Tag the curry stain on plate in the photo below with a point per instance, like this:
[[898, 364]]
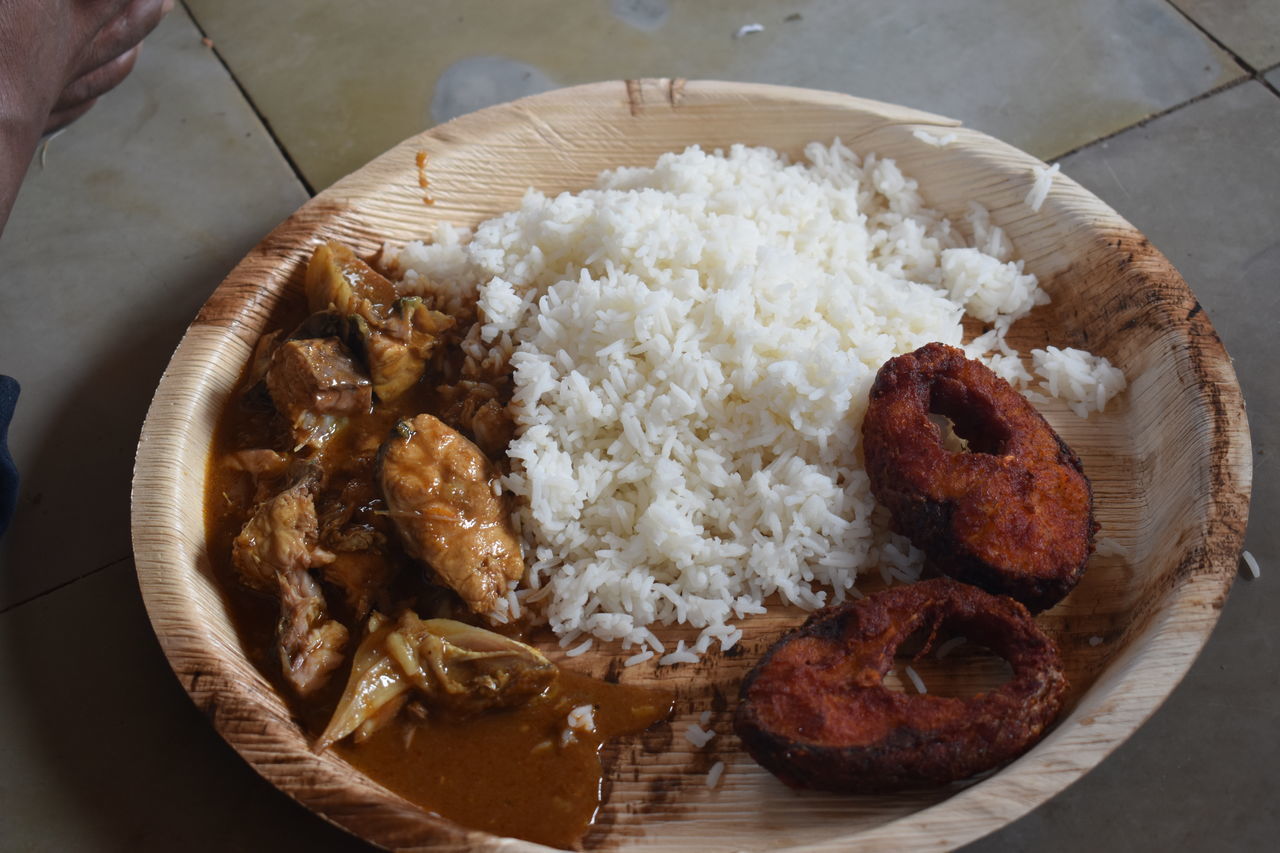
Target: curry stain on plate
[[423, 181]]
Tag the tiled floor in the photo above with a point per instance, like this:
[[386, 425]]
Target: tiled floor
[[1248, 28], [127, 221], [1203, 184], [139, 209], [104, 751], [1031, 79]]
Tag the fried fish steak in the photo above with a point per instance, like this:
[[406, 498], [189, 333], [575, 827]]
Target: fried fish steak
[[1013, 513], [816, 713]]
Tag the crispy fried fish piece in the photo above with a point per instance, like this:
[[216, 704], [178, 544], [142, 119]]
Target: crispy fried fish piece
[[815, 713], [1014, 513]]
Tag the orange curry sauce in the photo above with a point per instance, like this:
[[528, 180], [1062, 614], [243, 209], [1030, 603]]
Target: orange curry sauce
[[507, 771]]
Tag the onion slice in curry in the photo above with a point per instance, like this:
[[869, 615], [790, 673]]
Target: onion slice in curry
[[453, 667]]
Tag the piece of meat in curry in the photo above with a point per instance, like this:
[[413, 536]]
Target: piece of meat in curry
[[396, 335], [320, 525], [273, 554], [335, 499], [444, 496]]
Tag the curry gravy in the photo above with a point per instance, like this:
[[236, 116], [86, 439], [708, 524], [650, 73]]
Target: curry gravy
[[509, 772], [505, 771]]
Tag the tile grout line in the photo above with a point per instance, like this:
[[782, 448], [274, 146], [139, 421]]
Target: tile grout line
[[51, 590], [1262, 76], [1251, 74], [1217, 90], [213, 48], [1254, 73]]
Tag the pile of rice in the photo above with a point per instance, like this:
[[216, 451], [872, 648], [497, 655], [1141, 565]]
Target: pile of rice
[[692, 347]]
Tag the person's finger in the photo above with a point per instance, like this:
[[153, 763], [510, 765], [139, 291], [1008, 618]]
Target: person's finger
[[122, 31], [58, 120], [98, 82], [108, 59]]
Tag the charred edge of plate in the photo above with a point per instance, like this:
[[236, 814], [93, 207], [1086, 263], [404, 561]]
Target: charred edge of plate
[[672, 89], [269, 280]]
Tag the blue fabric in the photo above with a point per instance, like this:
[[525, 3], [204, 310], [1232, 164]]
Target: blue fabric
[[8, 471]]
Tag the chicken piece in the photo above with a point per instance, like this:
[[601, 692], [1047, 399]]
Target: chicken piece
[[443, 495], [315, 383], [258, 462], [397, 336], [317, 376], [454, 667], [266, 468], [398, 348], [361, 575], [310, 642], [279, 539], [273, 554], [339, 281], [476, 408]]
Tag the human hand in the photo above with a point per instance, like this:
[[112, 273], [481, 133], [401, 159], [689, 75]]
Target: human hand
[[56, 58], [108, 57]]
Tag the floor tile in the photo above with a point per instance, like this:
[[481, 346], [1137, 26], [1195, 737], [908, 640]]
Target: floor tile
[[103, 750], [1201, 183], [340, 84], [1249, 28], [1274, 78], [125, 225]]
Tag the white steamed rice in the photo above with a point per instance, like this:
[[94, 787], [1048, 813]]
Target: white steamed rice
[[916, 681], [1040, 187], [936, 141], [582, 718], [692, 347], [698, 736], [714, 774], [1086, 382]]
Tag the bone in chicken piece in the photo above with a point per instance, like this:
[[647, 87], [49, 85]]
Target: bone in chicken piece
[[273, 554], [311, 643]]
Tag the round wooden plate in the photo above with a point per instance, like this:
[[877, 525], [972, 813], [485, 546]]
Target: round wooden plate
[[1169, 460]]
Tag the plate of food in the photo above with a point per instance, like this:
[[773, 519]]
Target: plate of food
[[689, 464]]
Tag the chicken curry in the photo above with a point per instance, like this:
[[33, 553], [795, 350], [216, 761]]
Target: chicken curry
[[356, 516]]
